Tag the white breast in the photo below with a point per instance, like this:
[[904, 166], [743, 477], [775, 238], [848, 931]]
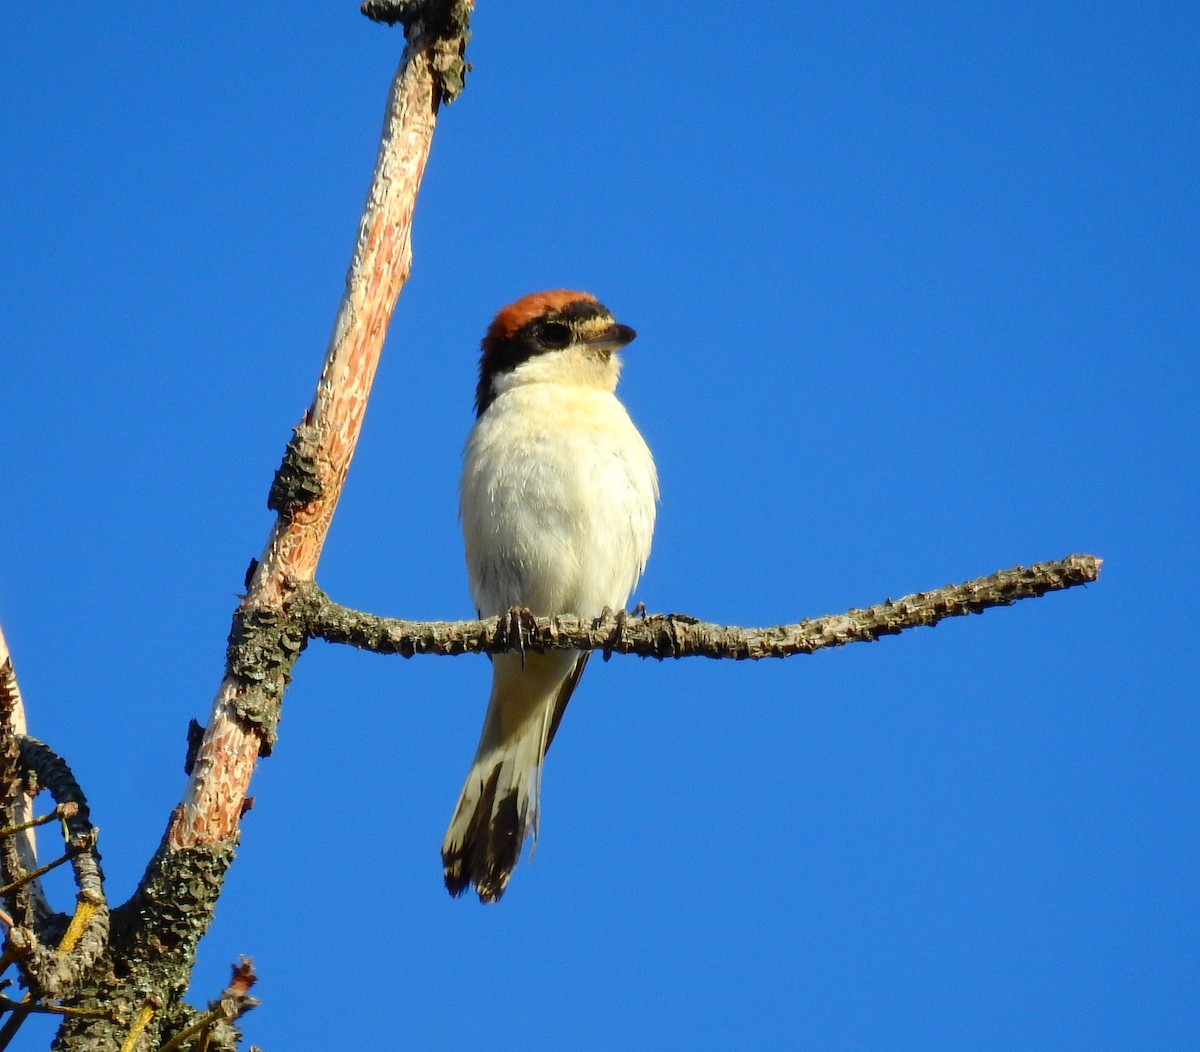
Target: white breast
[[557, 502]]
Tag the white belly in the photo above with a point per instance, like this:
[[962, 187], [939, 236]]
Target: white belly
[[556, 518]]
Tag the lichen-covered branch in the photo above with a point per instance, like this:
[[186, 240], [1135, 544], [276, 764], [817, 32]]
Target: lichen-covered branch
[[448, 22], [55, 950], [52, 951], [16, 803], [678, 635], [307, 488], [154, 936]]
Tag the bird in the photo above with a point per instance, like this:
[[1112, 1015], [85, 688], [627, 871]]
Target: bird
[[557, 504]]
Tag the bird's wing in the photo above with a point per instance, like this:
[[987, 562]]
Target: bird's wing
[[564, 694]]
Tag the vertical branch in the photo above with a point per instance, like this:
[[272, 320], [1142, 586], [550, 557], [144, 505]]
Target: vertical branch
[[17, 802], [215, 795], [135, 997]]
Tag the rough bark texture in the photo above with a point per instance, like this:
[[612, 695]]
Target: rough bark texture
[[247, 702], [678, 635], [123, 977], [12, 728], [202, 836], [118, 978]]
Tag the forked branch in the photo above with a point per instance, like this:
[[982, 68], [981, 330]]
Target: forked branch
[[122, 984], [161, 925]]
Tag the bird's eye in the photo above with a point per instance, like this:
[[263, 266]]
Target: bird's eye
[[554, 335]]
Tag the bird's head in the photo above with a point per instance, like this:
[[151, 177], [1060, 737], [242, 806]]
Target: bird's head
[[551, 337]]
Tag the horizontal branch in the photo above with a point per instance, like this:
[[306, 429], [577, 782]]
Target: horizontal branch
[[61, 811], [678, 635]]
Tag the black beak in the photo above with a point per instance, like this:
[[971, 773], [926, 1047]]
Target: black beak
[[613, 338]]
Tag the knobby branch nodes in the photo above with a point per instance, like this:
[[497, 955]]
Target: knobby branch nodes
[[234, 1002], [53, 950], [446, 25], [679, 635], [265, 643], [297, 481], [118, 979]]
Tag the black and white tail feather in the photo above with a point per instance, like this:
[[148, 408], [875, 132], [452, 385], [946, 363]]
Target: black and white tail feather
[[499, 807], [558, 497]]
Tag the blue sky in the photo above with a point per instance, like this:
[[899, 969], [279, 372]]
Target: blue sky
[[916, 293]]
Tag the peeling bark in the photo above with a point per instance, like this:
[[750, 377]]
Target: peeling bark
[[119, 980], [118, 977]]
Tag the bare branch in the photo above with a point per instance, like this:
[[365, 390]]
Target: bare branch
[[179, 890], [30, 1006], [246, 706], [60, 811], [56, 951], [678, 635], [17, 802], [234, 1002]]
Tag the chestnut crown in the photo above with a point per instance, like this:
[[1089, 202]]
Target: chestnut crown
[[543, 323]]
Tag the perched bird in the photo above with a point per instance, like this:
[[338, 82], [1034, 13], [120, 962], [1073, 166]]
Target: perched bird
[[557, 505]]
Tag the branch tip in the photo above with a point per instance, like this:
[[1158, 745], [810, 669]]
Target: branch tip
[[681, 635]]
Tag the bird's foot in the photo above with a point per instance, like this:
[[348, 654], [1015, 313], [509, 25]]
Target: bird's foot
[[620, 617], [516, 626]]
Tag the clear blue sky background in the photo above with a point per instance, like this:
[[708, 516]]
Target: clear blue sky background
[[917, 293]]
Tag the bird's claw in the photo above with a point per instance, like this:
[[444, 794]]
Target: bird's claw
[[620, 617], [516, 626]]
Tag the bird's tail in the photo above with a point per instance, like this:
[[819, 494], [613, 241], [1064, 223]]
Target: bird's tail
[[498, 807]]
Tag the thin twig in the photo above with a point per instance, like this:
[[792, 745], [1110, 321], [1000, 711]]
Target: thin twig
[[233, 1003], [61, 811], [140, 1022], [14, 1023], [39, 1008], [73, 850]]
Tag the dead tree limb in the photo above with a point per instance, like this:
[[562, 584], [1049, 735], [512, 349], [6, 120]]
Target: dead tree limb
[[154, 935], [117, 978], [22, 849], [678, 635]]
